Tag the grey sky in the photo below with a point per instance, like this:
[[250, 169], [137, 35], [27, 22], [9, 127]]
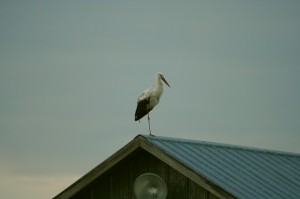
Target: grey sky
[[71, 72]]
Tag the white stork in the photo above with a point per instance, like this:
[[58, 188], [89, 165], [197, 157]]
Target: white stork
[[150, 98]]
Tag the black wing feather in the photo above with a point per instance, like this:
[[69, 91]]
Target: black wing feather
[[142, 108]]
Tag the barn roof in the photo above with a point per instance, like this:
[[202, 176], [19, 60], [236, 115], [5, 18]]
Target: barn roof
[[225, 170], [242, 171]]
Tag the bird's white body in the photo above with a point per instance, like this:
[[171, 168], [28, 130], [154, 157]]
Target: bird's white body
[[152, 94], [150, 98]]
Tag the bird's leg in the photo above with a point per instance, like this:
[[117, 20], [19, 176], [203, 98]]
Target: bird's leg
[[149, 124]]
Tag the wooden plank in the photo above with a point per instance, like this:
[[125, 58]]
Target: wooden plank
[[196, 191], [176, 183]]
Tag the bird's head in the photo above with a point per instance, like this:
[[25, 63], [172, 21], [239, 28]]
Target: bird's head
[[161, 77]]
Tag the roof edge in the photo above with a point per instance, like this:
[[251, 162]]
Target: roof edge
[[217, 144]]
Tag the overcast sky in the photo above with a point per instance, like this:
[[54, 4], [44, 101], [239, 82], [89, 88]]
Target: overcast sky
[[71, 72]]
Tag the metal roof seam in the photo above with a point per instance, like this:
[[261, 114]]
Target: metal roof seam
[[235, 173], [255, 169]]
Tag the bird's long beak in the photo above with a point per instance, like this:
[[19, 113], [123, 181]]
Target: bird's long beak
[[166, 82]]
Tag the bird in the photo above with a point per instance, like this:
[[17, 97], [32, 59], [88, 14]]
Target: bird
[[150, 98]]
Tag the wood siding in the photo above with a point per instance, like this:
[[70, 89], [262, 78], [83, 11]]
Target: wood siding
[[117, 182]]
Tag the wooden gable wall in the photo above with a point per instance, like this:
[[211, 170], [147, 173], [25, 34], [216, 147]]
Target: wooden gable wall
[[117, 182]]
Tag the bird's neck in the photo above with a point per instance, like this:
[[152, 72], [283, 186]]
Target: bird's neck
[[158, 87]]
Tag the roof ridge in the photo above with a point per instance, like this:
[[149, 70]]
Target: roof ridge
[[221, 145]]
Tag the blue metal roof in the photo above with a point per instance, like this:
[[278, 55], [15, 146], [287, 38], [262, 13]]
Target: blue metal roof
[[242, 171]]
